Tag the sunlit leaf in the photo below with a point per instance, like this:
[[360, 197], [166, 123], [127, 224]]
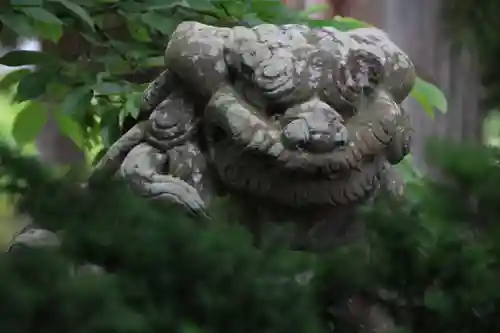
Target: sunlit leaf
[[13, 78], [349, 23], [315, 9], [29, 122], [339, 23], [70, 128], [52, 32], [429, 97], [138, 31], [100, 154], [110, 128], [132, 105]]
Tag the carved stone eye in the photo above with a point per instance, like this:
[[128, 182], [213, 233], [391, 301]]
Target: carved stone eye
[[275, 76], [246, 55]]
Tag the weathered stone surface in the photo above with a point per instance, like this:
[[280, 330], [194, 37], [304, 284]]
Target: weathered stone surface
[[302, 123], [31, 236], [289, 114]]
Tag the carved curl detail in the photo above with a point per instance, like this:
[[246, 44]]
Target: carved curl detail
[[294, 115]]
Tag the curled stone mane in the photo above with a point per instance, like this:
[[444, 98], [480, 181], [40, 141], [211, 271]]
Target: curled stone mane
[[296, 115], [289, 114]]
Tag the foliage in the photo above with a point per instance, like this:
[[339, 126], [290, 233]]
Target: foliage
[[98, 56], [433, 261], [492, 129], [167, 272]]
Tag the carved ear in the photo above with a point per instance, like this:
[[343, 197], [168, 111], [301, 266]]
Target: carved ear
[[195, 54]]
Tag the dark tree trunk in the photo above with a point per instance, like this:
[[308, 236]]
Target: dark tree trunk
[[54, 147]]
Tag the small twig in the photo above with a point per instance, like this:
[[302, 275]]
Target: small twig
[[225, 10]]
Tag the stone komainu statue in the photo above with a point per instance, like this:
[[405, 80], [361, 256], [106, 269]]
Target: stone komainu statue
[[301, 124]]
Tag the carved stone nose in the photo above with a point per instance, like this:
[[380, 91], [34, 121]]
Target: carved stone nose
[[314, 126], [298, 134]]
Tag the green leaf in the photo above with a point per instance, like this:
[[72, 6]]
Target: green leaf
[[70, 128], [26, 2], [315, 9], [349, 23], [226, 9], [251, 20], [274, 11], [409, 171], [436, 300], [13, 78], [339, 23], [153, 62], [77, 102], [18, 23], [202, 5], [132, 105], [33, 85], [117, 66], [138, 31], [159, 22], [42, 15], [110, 128], [109, 88], [78, 11], [99, 156], [29, 122], [23, 58], [58, 90], [52, 32], [93, 40], [429, 96]]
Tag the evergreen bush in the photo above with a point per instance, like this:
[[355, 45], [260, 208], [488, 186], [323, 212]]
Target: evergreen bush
[[433, 261], [165, 271]]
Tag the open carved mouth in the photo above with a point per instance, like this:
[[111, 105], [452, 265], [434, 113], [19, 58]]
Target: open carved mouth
[[251, 154]]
